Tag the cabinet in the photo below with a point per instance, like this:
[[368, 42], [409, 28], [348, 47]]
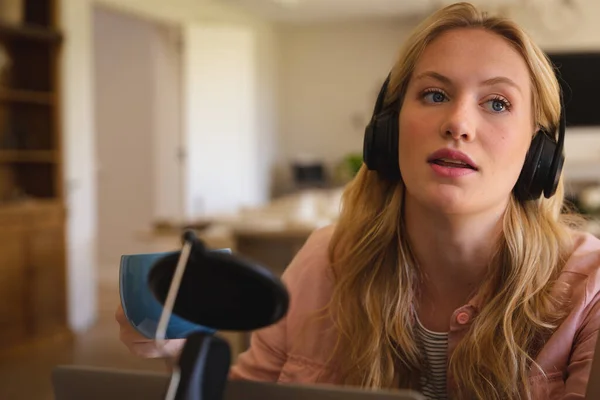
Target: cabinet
[[32, 214], [46, 265], [32, 278], [30, 145], [12, 283]]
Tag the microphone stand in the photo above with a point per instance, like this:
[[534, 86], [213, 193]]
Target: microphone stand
[[202, 369]]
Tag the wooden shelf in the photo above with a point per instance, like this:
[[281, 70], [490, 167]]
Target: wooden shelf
[[9, 208], [27, 96], [30, 32], [33, 281], [28, 156]]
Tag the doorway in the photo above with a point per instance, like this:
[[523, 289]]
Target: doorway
[[137, 79]]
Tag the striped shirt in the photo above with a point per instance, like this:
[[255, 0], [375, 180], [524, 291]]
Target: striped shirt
[[433, 378]]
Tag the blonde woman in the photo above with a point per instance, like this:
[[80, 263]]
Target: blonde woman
[[452, 269]]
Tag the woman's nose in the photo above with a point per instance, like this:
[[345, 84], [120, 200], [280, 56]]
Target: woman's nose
[[459, 123]]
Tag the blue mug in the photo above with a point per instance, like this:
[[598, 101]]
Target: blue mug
[[141, 308]]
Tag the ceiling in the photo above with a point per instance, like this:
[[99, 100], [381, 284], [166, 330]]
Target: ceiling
[[329, 10]]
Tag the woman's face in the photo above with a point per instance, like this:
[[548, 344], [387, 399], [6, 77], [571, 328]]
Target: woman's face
[[466, 123]]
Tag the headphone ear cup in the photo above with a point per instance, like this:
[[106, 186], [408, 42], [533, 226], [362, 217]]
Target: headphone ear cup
[[369, 155], [554, 176], [523, 188], [539, 170], [380, 147]]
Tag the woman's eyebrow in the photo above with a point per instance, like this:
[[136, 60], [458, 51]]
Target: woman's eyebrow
[[501, 79], [488, 82], [435, 75]]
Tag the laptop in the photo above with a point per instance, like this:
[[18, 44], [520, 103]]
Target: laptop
[[91, 383]]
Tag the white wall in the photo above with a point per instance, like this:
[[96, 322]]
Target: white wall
[[181, 11], [269, 109], [331, 74], [126, 95], [555, 28], [220, 122], [168, 165], [330, 77], [79, 133], [79, 172]]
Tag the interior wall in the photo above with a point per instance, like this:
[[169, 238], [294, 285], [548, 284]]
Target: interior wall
[[169, 155], [125, 109], [330, 77], [221, 135], [78, 138], [182, 11], [555, 28], [268, 111]]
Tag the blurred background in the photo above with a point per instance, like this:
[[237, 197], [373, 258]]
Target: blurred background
[[124, 121]]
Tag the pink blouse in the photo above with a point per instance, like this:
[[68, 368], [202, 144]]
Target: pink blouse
[[294, 351]]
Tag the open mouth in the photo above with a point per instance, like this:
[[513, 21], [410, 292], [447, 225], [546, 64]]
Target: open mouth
[[451, 163]]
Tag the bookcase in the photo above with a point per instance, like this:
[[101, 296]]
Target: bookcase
[[32, 212]]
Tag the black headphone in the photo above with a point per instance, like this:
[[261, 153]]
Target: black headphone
[[540, 174]]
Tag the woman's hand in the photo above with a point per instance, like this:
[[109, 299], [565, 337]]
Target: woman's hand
[[142, 346]]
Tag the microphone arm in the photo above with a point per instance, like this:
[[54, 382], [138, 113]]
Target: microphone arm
[[203, 366]]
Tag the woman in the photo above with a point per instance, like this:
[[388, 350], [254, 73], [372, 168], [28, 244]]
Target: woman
[[447, 271]]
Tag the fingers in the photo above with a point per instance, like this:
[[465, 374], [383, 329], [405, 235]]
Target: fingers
[[120, 315], [142, 346], [174, 347], [127, 334]]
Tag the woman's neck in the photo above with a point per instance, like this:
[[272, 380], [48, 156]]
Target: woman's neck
[[453, 251]]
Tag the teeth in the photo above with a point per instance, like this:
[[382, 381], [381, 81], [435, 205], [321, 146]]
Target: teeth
[[452, 161]]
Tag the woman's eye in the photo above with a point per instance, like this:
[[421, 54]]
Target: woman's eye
[[497, 105], [434, 97]]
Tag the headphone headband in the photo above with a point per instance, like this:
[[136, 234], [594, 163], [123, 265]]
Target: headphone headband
[[380, 102], [562, 125]]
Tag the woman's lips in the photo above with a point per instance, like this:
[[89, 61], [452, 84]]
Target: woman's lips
[[451, 163]]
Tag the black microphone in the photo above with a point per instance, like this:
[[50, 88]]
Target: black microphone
[[217, 290], [220, 290]]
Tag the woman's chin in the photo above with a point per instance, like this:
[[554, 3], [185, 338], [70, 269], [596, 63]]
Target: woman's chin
[[452, 207], [455, 200], [448, 199]]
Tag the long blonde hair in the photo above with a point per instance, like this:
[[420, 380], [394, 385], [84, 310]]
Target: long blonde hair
[[375, 273]]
